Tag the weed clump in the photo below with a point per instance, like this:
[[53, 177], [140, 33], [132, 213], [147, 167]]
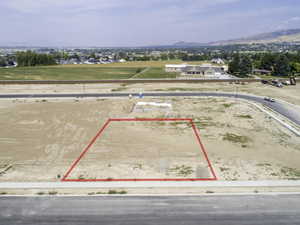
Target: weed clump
[[236, 138], [227, 105], [182, 170], [290, 172], [245, 116], [114, 192]]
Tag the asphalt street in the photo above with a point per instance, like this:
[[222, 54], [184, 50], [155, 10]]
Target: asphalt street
[[187, 210], [292, 114]]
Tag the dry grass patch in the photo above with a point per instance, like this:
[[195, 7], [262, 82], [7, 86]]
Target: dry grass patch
[[236, 138]]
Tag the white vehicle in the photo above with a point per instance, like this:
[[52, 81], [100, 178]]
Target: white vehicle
[[269, 99]]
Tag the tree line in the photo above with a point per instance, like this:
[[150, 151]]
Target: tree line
[[30, 58], [278, 64], [3, 62]]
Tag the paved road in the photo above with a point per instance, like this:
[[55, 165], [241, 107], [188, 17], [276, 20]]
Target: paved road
[[184, 210], [279, 107]]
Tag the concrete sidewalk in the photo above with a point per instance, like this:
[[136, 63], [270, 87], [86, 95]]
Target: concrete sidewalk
[[151, 184]]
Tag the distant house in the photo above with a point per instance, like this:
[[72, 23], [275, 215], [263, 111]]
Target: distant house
[[155, 53], [9, 64], [262, 72], [74, 61], [175, 67], [198, 71], [217, 61], [203, 71], [91, 61], [122, 60]]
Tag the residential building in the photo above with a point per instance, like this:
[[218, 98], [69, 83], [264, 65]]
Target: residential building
[[262, 72], [202, 71], [198, 71], [177, 68], [217, 61]]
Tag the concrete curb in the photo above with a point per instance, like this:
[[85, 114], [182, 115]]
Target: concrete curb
[[284, 124], [153, 184], [152, 195]]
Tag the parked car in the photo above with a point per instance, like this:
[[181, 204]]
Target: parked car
[[286, 82], [264, 81], [276, 83]]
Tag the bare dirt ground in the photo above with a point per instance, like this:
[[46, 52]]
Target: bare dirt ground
[[144, 150], [40, 139]]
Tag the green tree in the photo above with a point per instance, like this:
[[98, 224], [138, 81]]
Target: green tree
[[295, 68], [281, 66], [241, 65], [171, 56], [234, 65], [2, 62], [245, 67], [30, 58], [267, 61], [93, 55], [164, 57], [122, 55]]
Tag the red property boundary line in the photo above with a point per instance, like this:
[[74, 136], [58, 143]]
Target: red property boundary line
[[188, 120]]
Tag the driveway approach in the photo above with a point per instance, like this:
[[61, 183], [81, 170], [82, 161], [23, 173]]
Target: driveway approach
[[285, 109]]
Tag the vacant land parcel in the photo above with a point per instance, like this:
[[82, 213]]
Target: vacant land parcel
[[39, 141], [142, 150]]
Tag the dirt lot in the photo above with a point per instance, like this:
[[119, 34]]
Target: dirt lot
[[40, 139], [139, 150]]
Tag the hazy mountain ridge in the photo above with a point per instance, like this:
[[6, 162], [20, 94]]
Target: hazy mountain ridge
[[188, 44], [290, 36]]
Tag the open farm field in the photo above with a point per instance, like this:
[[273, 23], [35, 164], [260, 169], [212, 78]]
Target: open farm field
[[139, 69], [67, 73]]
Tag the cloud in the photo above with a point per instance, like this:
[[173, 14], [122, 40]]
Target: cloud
[[296, 18], [291, 22], [139, 22], [37, 6]]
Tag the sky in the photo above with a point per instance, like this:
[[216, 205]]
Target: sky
[[128, 23]]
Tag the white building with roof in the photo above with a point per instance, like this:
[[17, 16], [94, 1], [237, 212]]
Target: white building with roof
[[206, 71], [175, 67], [218, 61]]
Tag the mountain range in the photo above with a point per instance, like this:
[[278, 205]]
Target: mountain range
[[281, 36]]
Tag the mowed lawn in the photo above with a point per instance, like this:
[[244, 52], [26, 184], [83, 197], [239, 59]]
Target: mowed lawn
[[150, 69], [155, 73]]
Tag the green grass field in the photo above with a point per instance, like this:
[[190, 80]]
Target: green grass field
[[152, 69], [155, 73], [67, 73]]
